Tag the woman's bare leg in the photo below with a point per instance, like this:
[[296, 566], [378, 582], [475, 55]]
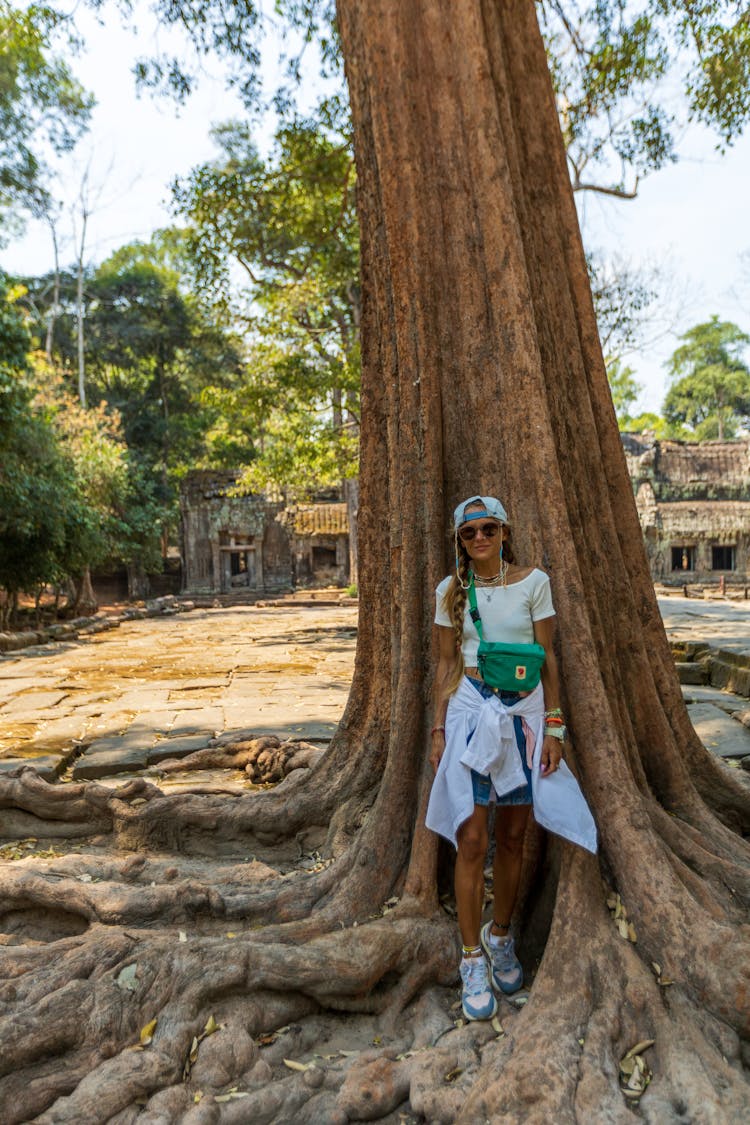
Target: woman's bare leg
[[510, 829], [469, 875]]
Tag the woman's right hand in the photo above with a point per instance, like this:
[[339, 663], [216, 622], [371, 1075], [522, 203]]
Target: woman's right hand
[[437, 749]]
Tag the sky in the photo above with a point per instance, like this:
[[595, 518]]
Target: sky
[[691, 220]]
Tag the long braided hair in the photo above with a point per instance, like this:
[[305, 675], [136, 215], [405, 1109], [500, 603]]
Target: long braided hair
[[454, 601]]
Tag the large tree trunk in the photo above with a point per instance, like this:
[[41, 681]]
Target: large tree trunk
[[482, 372]]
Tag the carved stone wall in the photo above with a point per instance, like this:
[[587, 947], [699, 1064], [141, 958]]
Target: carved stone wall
[[226, 541], [235, 544], [693, 500]]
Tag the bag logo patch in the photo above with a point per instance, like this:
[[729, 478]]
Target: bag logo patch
[[520, 671]]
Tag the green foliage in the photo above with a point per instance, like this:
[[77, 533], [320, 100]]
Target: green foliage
[[658, 426], [710, 391], [151, 349], [610, 62], [124, 513], [615, 67], [41, 104], [290, 223], [625, 390], [623, 299], [45, 523]]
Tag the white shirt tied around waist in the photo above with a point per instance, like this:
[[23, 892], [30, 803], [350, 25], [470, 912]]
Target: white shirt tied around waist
[[480, 735]]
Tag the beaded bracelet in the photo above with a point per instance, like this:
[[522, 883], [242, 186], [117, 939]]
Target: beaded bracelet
[[436, 729]]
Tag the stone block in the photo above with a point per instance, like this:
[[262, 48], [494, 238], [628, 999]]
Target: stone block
[[177, 747], [718, 732], [11, 642], [151, 723], [197, 720], [730, 674], [691, 673], [107, 757], [721, 699], [34, 701], [46, 765]]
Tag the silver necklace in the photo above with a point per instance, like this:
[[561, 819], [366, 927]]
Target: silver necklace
[[491, 584]]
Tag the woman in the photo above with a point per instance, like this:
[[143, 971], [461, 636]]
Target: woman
[[495, 746]]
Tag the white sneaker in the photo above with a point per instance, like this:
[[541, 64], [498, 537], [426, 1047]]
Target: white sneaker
[[507, 974], [477, 998]]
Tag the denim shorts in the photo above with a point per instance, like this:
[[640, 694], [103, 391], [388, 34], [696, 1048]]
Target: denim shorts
[[484, 792]]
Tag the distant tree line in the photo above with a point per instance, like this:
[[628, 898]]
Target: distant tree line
[[232, 339], [709, 389]]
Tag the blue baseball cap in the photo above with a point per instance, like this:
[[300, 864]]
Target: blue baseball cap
[[492, 508]]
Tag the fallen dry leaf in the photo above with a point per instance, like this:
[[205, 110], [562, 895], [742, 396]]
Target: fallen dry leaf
[[294, 1065], [635, 1073], [147, 1032]]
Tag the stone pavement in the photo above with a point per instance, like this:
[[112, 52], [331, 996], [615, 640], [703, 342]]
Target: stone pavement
[[161, 688], [106, 705], [719, 623], [722, 628]]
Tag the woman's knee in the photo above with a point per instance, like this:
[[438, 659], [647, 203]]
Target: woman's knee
[[510, 843], [472, 843]]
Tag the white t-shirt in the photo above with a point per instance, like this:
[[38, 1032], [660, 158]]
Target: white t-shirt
[[507, 612]]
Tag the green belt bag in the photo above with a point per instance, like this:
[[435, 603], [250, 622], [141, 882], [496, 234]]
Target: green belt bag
[[504, 666]]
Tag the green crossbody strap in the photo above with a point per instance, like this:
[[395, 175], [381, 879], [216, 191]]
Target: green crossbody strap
[[473, 609]]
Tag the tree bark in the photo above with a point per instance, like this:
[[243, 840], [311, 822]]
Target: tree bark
[[55, 305], [482, 372], [85, 602], [79, 301]]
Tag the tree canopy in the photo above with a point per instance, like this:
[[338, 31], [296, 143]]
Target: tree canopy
[[710, 389], [43, 108], [46, 526], [289, 223], [155, 355], [614, 67]]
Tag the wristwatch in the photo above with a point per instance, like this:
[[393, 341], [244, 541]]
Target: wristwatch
[[558, 732]]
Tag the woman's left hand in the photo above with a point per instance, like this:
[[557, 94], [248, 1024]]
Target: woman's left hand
[[552, 752]]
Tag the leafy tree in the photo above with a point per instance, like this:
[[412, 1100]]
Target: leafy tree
[[42, 107], [658, 425], [614, 67], [107, 476], [625, 390], [710, 391], [151, 350], [289, 223], [46, 527]]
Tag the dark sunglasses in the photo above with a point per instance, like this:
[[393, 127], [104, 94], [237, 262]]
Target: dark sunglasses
[[488, 530]]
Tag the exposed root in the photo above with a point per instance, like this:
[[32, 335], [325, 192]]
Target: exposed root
[[265, 760]]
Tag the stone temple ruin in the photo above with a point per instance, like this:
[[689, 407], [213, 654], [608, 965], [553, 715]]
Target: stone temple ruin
[[693, 501], [234, 544]]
